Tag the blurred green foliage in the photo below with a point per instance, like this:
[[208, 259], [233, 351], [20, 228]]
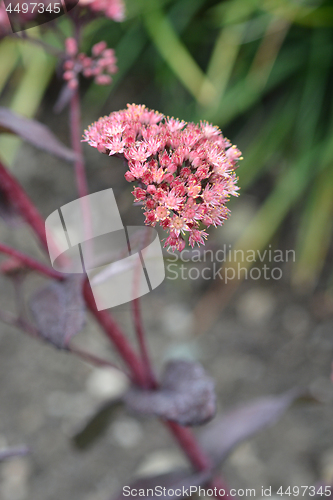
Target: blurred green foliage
[[260, 69]]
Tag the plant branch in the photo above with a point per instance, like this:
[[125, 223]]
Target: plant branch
[[80, 173], [114, 333], [198, 458], [189, 444], [94, 360], [75, 125], [22, 203], [30, 262], [152, 382]]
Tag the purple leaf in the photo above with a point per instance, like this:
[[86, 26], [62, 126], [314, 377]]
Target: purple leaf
[[20, 451], [96, 425], [172, 481], [35, 133], [226, 432], [59, 311], [186, 395]]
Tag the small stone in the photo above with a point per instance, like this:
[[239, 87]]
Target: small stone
[[296, 320], [161, 462], [14, 479], [127, 432], [256, 306], [326, 462], [177, 321], [104, 383], [183, 350], [248, 465]]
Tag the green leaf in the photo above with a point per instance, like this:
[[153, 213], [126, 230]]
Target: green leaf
[[315, 233], [29, 92], [172, 49]]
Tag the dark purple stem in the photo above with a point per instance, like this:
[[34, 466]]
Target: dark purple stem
[[80, 173], [22, 203], [93, 359], [75, 125], [30, 262], [190, 445], [152, 382], [114, 333]]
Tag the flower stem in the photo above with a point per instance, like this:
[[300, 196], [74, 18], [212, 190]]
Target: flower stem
[[191, 447], [80, 172], [75, 125], [152, 382], [114, 333]]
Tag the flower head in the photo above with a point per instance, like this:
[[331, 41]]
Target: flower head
[[114, 9], [100, 66], [185, 172]]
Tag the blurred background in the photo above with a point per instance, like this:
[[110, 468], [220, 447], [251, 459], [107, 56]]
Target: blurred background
[[262, 71]]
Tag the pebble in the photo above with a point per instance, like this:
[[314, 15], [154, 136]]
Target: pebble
[[105, 383], [177, 320], [183, 350], [248, 465], [161, 462], [326, 467], [296, 320], [256, 306], [14, 479], [126, 432]]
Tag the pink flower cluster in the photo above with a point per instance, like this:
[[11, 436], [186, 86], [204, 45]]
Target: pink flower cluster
[[185, 173], [100, 66], [114, 9]]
